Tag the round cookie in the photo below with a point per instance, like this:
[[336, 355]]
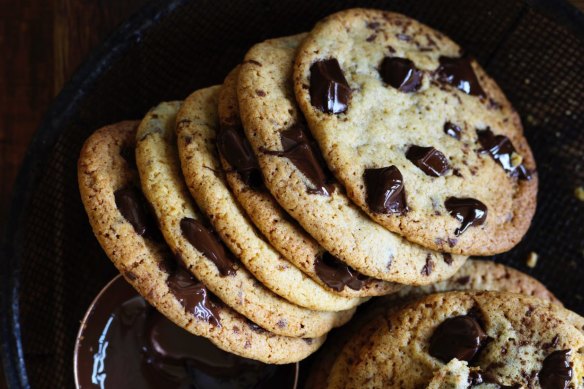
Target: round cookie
[[422, 139], [284, 234], [294, 175], [195, 243], [197, 148], [109, 188], [514, 340]]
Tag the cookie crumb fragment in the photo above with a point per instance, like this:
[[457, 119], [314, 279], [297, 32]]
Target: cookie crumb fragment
[[532, 259], [579, 193]]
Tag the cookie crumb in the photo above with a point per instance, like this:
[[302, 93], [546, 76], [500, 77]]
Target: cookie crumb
[[579, 193], [532, 259]]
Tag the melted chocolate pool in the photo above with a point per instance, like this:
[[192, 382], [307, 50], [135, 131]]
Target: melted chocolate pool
[[125, 343]]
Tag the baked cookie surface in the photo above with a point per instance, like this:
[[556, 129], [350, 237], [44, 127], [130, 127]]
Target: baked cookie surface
[[419, 135], [246, 182], [513, 340], [298, 180], [119, 216], [193, 240]]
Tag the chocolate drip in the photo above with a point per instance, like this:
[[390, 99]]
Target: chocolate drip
[[194, 296], [400, 73], [459, 337], [452, 129], [135, 209], [204, 240], [500, 148], [385, 190], [337, 275], [234, 147], [459, 73], [302, 151], [329, 90], [469, 212], [556, 371], [429, 160]]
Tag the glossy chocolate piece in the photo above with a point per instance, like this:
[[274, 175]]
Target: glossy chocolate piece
[[452, 129], [556, 371], [133, 206], [329, 90], [500, 148], [429, 160], [336, 275], [385, 190], [459, 337], [234, 147], [469, 212], [302, 151], [194, 296], [400, 73], [125, 343], [205, 240], [458, 72]]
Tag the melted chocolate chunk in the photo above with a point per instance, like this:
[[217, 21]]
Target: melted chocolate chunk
[[204, 240], [459, 73], [337, 275], [469, 212], [453, 130], [302, 151], [194, 296], [385, 190], [556, 371], [460, 337], [146, 350], [447, 258], [500, 148], [401, 73], [134, 207], [235, 148], [329, 90], [429, 160]]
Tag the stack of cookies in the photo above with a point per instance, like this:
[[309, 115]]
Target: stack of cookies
[[369, 157]]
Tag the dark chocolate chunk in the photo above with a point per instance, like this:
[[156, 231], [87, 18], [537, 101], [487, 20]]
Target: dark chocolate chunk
[[194, 296], [134, 207], [385, 190], [447, 258], [401, 73], [428, 267], [459, 337], [329, 90], [500, 148], [469, 212], [204, 240], [234, 147], [337, 275], [302, 151], [429, 160], [452, 129], [556, 371], [459, 73]]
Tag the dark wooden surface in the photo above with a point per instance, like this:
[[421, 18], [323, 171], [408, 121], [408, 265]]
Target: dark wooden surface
[[41, 45]]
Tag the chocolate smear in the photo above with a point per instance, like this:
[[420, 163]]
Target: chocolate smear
[[401, 73], [469, 212], [459, 337], [500, 148], [556, 371], [429, 160], [234, 147], [458, 72], [329, 89], [336, 275], [385, 190], [205, 241]]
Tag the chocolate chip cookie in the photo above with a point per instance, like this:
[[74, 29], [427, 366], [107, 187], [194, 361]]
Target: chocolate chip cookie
[[423, 140], [127, 231]]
